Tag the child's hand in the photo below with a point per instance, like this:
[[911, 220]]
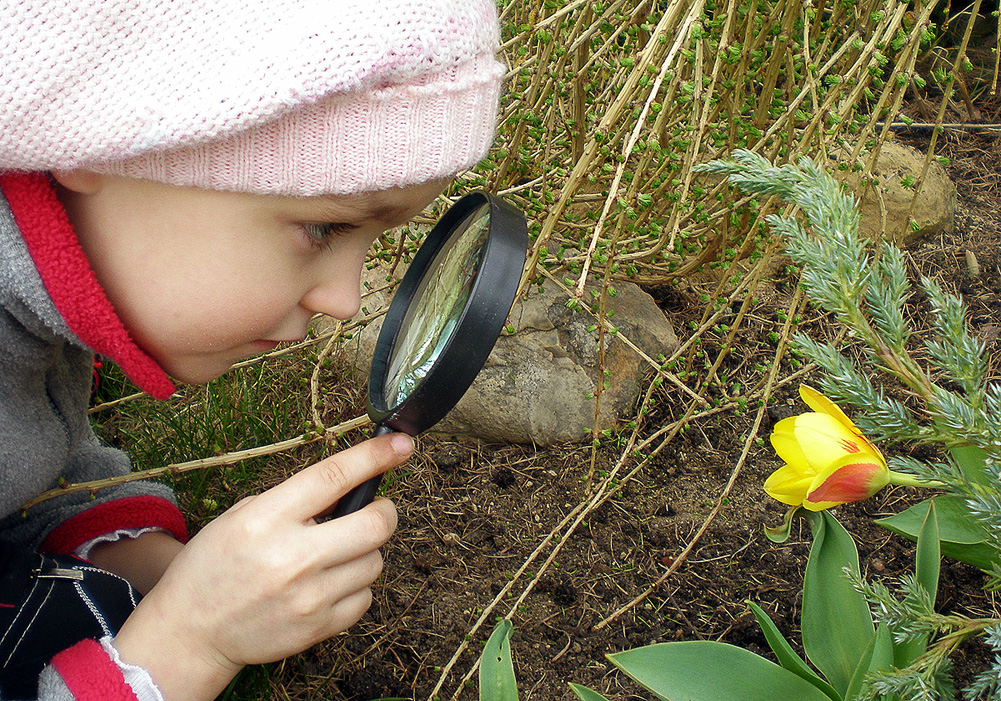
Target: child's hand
[[265, 580]]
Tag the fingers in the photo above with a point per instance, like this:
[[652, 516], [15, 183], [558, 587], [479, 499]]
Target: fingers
[[355, 534], [268, 580], [325, 604], [315, 489], [349, 611]]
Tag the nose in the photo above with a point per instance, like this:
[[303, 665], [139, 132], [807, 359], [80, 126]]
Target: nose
[[338, 296]]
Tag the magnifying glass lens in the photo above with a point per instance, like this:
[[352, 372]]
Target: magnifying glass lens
[[438, 304], [446, 316]]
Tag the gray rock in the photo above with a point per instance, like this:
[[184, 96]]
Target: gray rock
[[888, 207], [539, 383]]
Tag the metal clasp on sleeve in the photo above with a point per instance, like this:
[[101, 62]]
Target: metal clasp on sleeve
[[57, 573]]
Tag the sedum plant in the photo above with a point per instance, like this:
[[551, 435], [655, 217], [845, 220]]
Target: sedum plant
[[609, 104]]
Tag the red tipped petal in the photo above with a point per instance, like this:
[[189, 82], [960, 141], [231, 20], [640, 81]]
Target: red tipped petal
[[847, 481]]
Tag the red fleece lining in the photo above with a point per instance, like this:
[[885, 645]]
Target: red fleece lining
[[71, 282], [91, 675], [128, 513]]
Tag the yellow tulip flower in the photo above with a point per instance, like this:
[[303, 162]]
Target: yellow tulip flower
[[828, 460]]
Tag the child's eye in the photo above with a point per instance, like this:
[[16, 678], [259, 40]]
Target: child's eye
[[320, 234]]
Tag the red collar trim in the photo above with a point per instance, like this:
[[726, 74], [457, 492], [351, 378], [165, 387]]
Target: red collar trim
[[71, 282]]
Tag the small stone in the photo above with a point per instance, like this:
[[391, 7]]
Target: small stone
[[907, 219]]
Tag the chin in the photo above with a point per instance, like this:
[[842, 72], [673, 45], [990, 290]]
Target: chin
[[195, 375]]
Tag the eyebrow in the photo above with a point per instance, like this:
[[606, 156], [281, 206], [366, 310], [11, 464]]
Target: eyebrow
[[388, 214]]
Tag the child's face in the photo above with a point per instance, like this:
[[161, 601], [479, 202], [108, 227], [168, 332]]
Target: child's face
[[203, 279]]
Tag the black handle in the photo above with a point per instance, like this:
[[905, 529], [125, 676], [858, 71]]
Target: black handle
[[364, 493]]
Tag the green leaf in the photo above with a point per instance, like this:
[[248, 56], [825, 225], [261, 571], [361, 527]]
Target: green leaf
[[497, 681], [926, 567], [836, 621], [928, 557], [878, 656], [960, 536], [971, 461], [780, 533], [882, 650], [704, 670], [786, 656], [585, 694]]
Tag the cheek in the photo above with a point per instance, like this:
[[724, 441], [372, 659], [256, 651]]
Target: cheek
[[244, 311], [185, 319]]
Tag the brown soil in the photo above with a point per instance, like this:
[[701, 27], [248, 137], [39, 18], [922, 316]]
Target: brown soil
[[472, 515]]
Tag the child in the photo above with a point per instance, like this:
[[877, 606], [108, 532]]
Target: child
[[185, 184]]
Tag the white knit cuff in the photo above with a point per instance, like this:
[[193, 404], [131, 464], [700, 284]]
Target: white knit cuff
[[83, 551], [136, 677]]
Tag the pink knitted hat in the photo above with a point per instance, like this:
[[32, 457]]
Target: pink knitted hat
[[290, 97]]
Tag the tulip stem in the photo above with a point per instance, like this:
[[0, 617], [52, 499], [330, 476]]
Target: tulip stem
[[912, 481]]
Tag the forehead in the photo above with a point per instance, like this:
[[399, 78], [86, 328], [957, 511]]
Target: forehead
[[389, 207]]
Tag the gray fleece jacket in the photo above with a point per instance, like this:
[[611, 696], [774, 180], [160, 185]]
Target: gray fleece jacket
[[46, 371]]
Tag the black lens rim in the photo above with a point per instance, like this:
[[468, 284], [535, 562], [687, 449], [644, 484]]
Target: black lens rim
[[477, 328]]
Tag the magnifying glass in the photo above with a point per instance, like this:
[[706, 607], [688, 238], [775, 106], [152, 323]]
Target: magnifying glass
[[443, 322]]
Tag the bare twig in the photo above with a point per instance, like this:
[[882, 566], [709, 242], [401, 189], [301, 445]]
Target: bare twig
[[215, 461]]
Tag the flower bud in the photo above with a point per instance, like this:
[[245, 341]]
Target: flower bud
[[828, 460]]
